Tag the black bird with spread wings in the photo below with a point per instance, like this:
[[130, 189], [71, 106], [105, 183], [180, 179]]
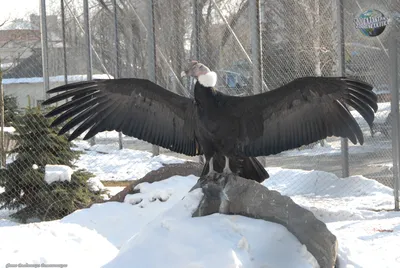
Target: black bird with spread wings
[[229, 130]]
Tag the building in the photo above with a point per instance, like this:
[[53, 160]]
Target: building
[[20, 38], [16, 45], [25, 80]]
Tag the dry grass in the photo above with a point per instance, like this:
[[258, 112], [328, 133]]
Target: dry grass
[[116, 183]]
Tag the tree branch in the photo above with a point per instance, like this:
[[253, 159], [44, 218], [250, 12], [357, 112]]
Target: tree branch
[[233, 22]]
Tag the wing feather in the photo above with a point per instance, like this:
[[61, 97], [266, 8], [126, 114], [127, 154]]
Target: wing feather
[[302, 112], [136, 107]]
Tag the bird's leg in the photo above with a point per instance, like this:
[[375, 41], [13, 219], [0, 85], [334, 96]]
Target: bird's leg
[[211, 170], [227, 169]]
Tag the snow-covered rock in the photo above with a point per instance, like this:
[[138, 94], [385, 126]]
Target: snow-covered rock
[[57, 173], [175, 239], [9, 129], [95, 184]]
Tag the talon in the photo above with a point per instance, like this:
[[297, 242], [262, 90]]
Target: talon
[[211, 170], [227, 169]]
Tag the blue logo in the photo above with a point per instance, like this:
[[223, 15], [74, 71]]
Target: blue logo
[[371, 22]]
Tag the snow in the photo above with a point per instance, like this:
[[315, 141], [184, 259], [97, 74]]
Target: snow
[[113, 190], [331, 198], [384, 109], [53, 79], [57, 173], [333, 146], [95, 184], [107, 162], [322, 184], [373, 243], [5, 66], [9, 129], [130, 219], [153, 228], [54, 243], [240, 242], [110, 135]]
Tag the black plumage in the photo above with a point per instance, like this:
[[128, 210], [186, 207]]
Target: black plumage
[[301, 112]]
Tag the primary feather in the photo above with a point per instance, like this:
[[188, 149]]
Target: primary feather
[[301, 112], [136, 107]]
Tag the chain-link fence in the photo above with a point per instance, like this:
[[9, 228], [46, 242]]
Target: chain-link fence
[[253, 46]]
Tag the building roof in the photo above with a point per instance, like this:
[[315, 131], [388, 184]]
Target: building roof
[[31, 68]]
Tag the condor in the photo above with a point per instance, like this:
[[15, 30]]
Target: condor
[[230, 131]]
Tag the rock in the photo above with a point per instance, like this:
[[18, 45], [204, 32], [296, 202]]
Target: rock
[[167, 171], [230, 194]]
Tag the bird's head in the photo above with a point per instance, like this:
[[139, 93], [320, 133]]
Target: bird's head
[[200, 72]]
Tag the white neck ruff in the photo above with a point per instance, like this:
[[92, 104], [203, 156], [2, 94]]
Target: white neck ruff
[[208, 80]]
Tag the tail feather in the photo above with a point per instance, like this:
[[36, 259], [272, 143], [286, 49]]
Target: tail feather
[[246, 167], [254, 170]]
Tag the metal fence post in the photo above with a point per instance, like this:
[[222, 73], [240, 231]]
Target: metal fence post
[[88, 48], [195, 48], [256, 49], [45, 47], [151, 52], [196, 30], [394, 68], [117, 67], [341, 69], [64, 41], [196, 38]]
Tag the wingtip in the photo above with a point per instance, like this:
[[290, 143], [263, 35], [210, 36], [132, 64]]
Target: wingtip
[[88, 135], [50, 114], [62, 131], [366, 85], [53, 124], [72, 137], [46, 102]]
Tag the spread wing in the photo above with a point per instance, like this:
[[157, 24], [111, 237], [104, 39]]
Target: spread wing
[[302, 112], [136, 107]]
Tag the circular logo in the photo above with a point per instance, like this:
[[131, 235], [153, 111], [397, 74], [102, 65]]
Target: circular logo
[[371, 22]]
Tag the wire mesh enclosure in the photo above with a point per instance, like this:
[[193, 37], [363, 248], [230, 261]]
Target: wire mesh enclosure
[[254, 46]]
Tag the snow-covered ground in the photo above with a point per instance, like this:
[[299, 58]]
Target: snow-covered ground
[[333, 146], [107, 162], [154, 229]]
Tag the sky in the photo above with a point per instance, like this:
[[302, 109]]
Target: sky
[[18, 8]]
